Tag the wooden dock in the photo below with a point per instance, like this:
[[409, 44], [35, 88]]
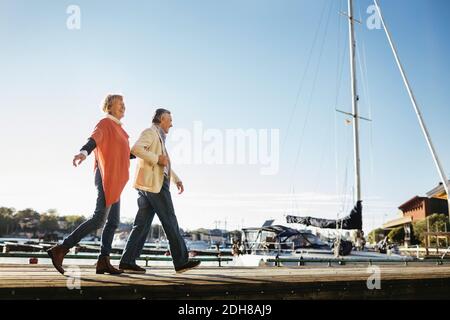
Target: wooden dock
[[416, 280]]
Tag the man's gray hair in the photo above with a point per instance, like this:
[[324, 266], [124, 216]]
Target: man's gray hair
[[158, 115]]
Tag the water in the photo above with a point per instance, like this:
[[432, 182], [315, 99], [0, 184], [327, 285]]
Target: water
[[18, 240], [92, 262]]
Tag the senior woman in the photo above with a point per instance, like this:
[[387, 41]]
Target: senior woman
[[109, 141]]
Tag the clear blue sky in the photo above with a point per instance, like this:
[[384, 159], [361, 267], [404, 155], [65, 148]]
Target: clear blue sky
[[230, 65]]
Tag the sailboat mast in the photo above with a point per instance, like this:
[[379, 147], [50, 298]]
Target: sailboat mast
[[437, 162], [354, 101]]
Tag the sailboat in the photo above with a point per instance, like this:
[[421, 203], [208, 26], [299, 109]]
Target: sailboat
[[354, 220]]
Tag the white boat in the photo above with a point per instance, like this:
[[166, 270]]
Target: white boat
[[197, 245], [120, 240], [281, 245]]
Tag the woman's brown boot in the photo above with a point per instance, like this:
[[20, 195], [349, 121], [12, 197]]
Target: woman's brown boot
[[57, 254]]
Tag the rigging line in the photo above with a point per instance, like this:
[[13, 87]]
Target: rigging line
[[341, 198], [336, 156], [340, 68], [300, 88], [343, 194], [293, 199], [363, 69], [290, 198], [362, 62], [338, 51], [370, 110], [319, 169], [344, 56], [363, 78], [365, 87], [322, 157], [339, 83], [340, 63], [294, 202], [344, 189], [337, 75], [344, 197], [310, 97], [297, 207]]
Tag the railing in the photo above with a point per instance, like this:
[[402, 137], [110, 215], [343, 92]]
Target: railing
[[277, 260], [445, 253], [301, 261], [421, 252], [219, 259], [417, 251]]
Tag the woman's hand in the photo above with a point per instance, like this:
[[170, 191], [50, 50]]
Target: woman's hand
[[163, 160], [80, 158], [180, 187]]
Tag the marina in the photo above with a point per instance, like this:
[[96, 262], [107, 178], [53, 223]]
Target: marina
[[339, 240]]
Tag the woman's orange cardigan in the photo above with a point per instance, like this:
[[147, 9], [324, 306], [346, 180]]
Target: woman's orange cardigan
[[112, 156]]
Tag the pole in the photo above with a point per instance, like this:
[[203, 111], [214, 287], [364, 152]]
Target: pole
[[354, 101], [437, 162]]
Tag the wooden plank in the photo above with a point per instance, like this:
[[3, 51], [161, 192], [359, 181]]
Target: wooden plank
[[35, 281]]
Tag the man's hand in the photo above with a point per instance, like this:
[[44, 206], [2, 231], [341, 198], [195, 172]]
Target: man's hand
[[163, 160], [80, 158], [180, 187]]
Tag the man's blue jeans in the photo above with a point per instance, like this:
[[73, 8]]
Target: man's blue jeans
[[161, 204], [97, 221]]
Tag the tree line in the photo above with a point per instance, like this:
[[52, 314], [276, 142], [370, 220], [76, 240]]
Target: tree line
[[29, 221]]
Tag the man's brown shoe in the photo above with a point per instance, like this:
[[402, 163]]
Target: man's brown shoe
[[188, 266], [57, 254], [105, 266], [131, 268]]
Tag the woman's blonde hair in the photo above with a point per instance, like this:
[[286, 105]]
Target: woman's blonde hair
[[109, 100]]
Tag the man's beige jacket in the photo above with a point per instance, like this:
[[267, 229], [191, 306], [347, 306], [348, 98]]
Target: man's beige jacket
[[149, 174]]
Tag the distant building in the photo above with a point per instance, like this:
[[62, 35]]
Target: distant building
[[419, 208], [212, 236], [218, 236], [438, 192]]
